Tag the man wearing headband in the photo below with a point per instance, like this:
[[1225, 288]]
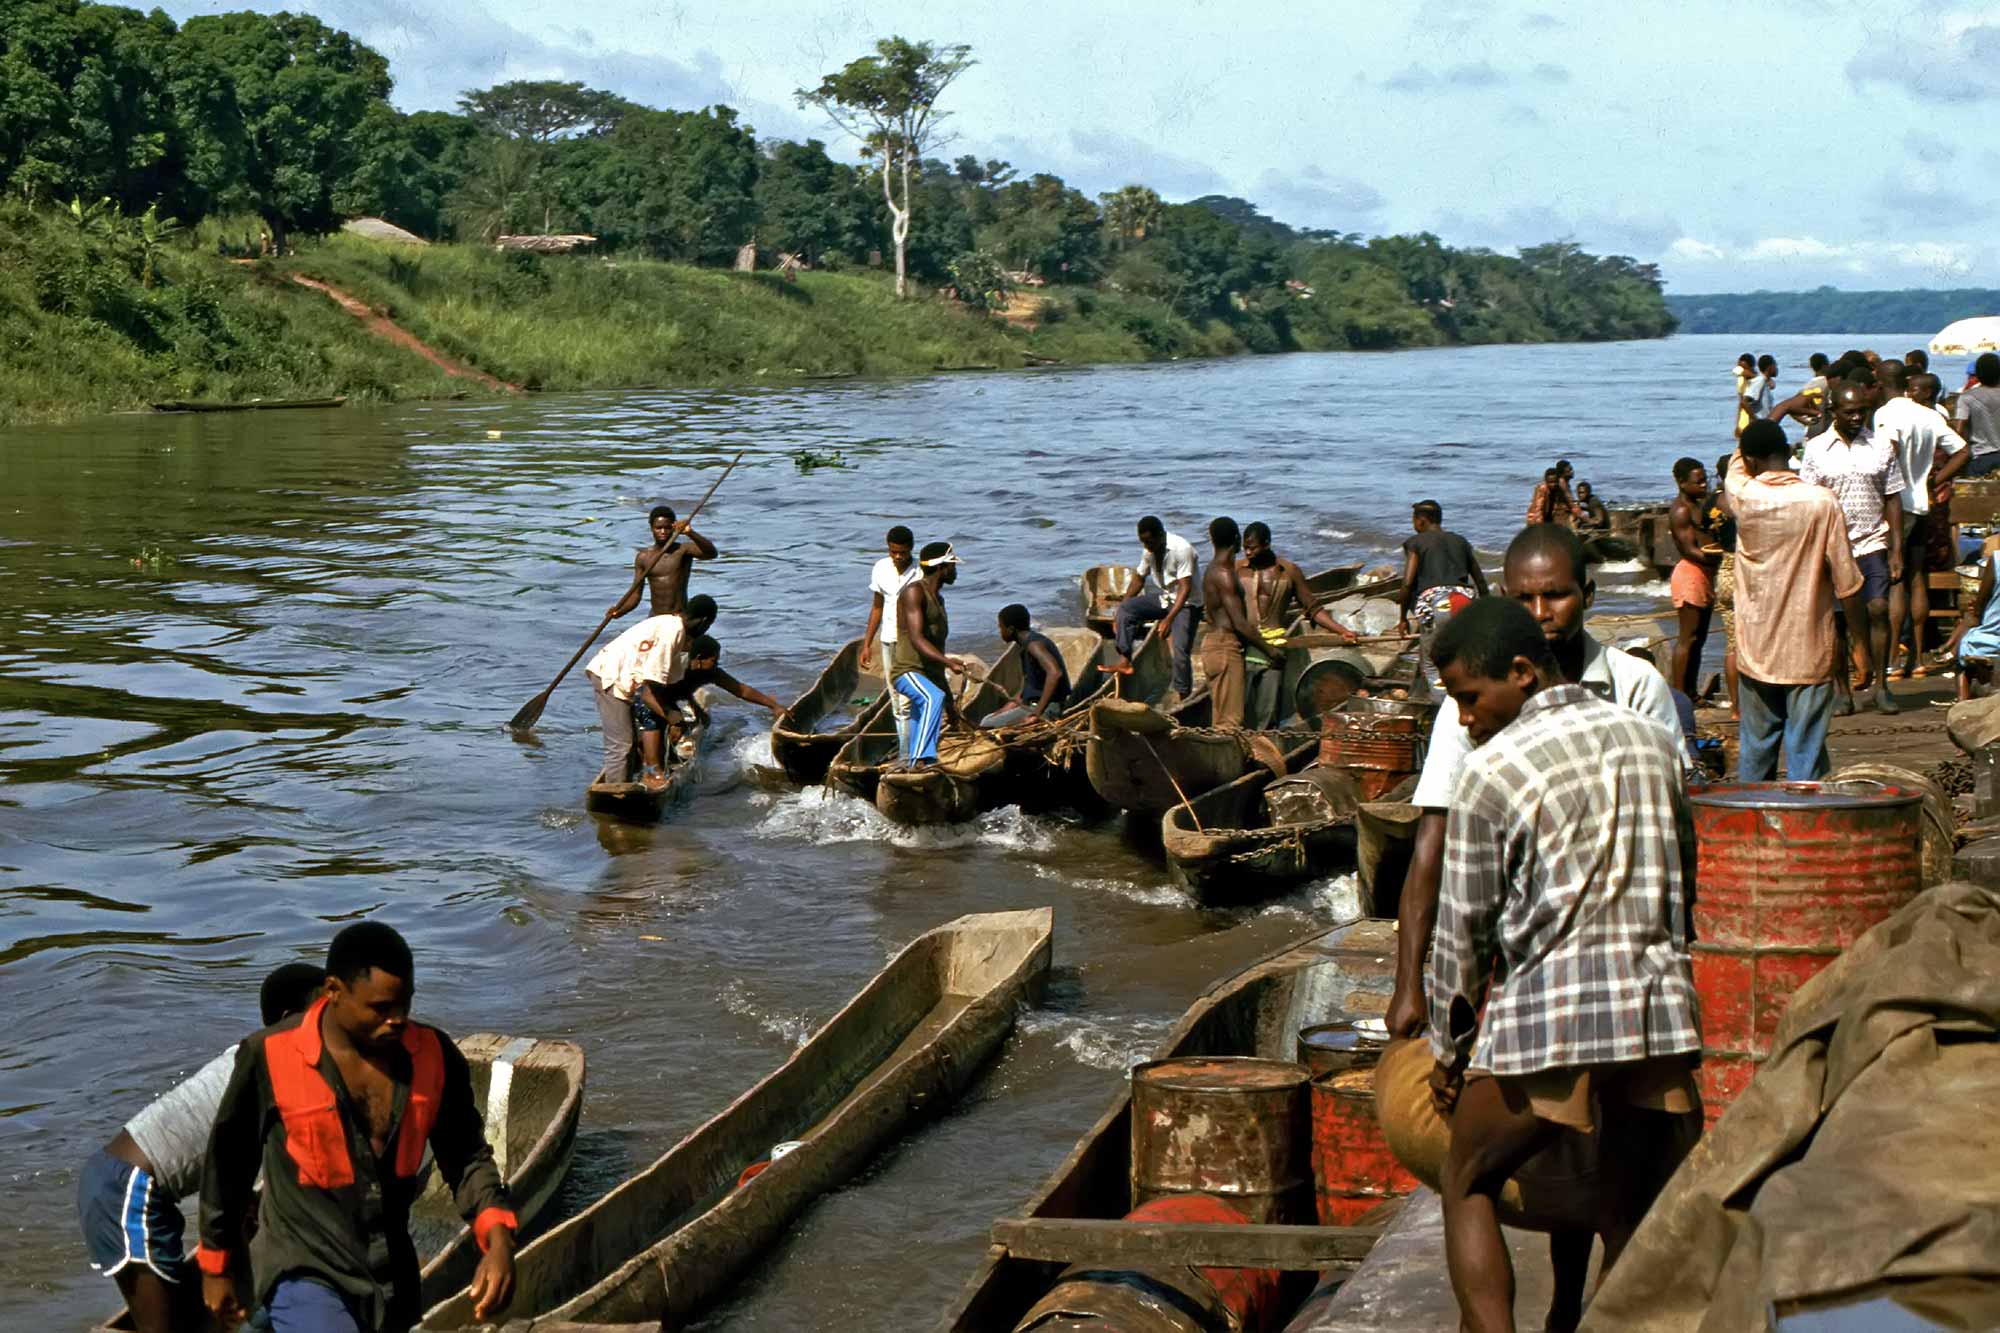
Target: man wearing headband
[[919, 663]]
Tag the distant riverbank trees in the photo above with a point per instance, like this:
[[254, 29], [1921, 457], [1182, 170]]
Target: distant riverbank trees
[[287, 119]]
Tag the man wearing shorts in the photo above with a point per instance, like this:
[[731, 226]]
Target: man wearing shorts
[[128, 1197], [1693, 582], [1931, 454], [1866, 477], [1569, 865]]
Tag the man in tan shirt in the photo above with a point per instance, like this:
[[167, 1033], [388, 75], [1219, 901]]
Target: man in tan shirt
[[1793, 561]]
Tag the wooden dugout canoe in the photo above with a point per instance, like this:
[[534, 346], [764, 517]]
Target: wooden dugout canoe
[[872, 753], [632, 801], [1136, 754], [1343, 973], [807, 736], [530, 1092], [1228, 844], [275, 405], [672, 1238]]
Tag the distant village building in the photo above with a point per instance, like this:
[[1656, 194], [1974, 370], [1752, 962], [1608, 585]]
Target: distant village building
[[377, 229], [546, 245], [746, 258]]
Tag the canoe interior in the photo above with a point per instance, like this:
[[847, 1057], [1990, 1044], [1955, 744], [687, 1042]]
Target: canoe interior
[[545, 1097], [533, 1145], [679, 1231], [858, 766], [1347, 972], [633, 802], [1224, 847], [807, 735], [1103, 588]]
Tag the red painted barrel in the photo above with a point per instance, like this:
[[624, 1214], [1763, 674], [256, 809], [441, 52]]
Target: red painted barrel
[[1180, 1299], [1788, 875], [1353, 1169], [1380, 741], [1230, 1126]]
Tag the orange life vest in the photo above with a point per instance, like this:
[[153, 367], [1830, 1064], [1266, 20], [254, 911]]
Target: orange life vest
[[315, 1137]]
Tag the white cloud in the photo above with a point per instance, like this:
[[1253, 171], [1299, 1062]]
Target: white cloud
[[1777, 262], [1689, 249], [1310, 197], [1955, 58]]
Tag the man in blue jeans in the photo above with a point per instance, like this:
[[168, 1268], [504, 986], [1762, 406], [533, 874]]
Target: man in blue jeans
[[1793, 561]]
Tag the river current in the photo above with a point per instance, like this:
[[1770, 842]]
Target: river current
[[253, 671]]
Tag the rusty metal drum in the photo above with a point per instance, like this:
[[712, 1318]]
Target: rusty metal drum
[[1180, 1299], [1380, 741], [1328, 1048], [1353, 1169], [1230, 1126], [1788, 875]]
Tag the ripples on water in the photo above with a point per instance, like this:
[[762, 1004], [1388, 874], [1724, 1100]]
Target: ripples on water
[[253, 667]]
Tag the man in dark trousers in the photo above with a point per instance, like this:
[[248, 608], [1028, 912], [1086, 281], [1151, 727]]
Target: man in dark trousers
[[1045, 683], [335, 1108], [1173, 607], [666, 564]]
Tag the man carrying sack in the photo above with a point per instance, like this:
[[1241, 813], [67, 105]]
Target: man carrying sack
[[1569, 859]]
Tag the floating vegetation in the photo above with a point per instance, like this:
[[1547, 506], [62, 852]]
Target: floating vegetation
[[808, 459], [151, 559]]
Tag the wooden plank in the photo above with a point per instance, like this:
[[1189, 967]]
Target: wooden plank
[[1107, 1243]]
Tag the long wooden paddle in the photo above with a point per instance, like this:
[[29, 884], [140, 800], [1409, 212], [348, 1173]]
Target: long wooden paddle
[[531, 711]]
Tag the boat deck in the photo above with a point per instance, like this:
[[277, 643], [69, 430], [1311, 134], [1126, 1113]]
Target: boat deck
[[1403, 1284]]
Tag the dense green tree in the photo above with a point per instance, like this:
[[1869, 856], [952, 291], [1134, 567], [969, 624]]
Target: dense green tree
[[679, 184], [543, 110], [301, 93], [407, 167], [810, 205], [1129, 213], [1045, 227], [889, 102]]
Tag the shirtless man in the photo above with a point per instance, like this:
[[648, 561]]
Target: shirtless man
[[1693, 582], [1273, 585], [665, 565], [1231, 632], [335, 1108]]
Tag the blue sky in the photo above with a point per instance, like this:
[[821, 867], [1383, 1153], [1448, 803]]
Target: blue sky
[[1769, 144]]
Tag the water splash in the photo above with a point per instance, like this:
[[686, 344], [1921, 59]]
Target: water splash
[[795, 1028], [1634, 566], [1096, 1044], [1335, 901], [824, 815], [1149, 895]]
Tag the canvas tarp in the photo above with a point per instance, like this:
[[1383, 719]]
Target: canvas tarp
[[1864, 1159]]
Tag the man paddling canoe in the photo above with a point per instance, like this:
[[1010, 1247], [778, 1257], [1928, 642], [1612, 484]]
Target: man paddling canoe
[[665, 564]]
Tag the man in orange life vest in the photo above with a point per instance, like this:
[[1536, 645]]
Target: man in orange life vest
[[335, 1106]]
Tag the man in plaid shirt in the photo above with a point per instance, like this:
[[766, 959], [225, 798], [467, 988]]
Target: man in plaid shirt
[[1569, 861]]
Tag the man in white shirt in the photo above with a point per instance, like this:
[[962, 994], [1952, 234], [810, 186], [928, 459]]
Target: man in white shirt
[[1931, 454], [1169, 563], [892, 573], [1866, 476], [655, 650]]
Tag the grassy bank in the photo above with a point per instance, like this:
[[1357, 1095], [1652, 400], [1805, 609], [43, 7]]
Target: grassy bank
[[95, 319]]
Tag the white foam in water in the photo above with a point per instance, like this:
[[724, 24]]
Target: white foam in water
[[1336, 901], [1099, 1045], [1150, 895], [1650, 588], [1634, 566], [794, 1028], [1334, 534], [824, 815]]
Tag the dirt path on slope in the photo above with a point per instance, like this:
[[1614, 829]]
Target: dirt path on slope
[[387, 329]]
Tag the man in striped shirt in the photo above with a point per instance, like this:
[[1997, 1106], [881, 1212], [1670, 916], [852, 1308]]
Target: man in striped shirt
[[1564, 912]]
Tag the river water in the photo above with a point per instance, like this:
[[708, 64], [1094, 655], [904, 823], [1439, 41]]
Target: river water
[[256, 666]]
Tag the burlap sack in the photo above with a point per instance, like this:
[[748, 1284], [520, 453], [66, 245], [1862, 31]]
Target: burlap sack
[[1555, 1191]]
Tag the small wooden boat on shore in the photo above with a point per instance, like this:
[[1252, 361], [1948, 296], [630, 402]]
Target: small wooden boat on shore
[[1078, 1215], [1142, 759], [1264, 832], [671, 1239], [252, 405], [529, 1091], [640, 804], [807, 736]]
